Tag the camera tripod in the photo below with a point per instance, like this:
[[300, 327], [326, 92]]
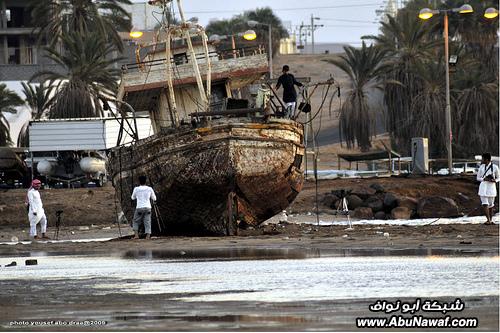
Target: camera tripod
[[344, 209]]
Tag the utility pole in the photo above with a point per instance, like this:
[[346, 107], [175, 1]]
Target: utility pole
[[313, 27]]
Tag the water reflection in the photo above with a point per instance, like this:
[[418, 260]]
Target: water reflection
[[222, 254], [225, 254]]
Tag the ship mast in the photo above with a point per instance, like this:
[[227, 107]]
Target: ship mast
[[185, 30]]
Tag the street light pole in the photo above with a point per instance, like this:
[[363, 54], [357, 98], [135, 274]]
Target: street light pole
[[448, 107], [425, 14], [252, 23]]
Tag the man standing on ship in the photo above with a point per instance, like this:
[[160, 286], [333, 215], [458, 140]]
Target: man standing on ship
[[488, 174], [288, 82], [143, 194]]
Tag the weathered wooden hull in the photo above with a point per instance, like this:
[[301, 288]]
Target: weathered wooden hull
[[209, 180]]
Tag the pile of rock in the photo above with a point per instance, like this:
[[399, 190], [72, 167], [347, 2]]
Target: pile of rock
[[374, 202]]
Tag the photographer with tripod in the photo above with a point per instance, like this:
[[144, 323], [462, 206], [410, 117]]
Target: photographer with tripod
[[488, 175]]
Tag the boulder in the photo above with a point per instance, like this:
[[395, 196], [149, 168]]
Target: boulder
[[401, 213], [353, 201], [380, 215], [375, 204], [390, 201], [436, 206], [329, 200], [377, 187], [408, 202], [364, 213], [363, 192], [341, 192]]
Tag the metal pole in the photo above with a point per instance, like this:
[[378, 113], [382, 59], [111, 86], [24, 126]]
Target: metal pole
[[448, 108], [312, 33], [270, 52], [233, 45]]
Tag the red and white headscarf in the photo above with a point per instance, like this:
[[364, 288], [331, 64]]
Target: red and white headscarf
[[34, 182]]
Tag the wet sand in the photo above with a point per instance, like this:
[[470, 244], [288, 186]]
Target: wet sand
[[68, 299], [460, 237]]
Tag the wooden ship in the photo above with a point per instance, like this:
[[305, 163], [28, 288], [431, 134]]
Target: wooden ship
[[215, 162]]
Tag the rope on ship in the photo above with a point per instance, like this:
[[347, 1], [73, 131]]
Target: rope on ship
[[306, 97]]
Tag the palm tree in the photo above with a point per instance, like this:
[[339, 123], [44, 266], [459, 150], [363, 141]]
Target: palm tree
[[56, 17], [238, 23], [88, 78], [477, 111], [364, 67], [427, 111], [38, 98], [8, 101], [406, 40]]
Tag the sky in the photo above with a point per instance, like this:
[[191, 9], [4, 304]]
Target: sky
[[345, 21]]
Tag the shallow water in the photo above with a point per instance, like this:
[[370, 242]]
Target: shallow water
[[264, 276]]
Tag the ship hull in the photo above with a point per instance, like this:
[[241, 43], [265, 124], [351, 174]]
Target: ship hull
[[213, 180]]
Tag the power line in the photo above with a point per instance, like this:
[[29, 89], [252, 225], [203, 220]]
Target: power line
[[343, 20], [287, 9], [350, 26]]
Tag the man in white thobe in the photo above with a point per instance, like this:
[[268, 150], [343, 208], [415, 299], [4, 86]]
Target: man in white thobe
[[488, 175], [36, 213]]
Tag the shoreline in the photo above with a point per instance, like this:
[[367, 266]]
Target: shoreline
[[459, 237]]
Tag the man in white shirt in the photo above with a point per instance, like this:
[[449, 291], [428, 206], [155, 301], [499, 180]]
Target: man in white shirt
[[143, 194], [36, 213], [488, 175]]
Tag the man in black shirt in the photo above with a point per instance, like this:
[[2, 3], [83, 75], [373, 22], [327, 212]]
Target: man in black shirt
[[288, 81]]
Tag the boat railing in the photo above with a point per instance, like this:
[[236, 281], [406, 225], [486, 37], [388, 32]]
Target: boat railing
[[185, 58]]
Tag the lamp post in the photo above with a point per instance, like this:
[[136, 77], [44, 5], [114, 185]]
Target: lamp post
[[270, 47], [425, 14]]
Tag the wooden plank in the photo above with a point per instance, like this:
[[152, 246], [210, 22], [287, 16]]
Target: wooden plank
[[227, 112]]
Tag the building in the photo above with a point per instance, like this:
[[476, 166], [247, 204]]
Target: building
[[20, 58]]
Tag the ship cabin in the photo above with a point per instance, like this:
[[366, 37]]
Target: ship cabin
[[144, 84]]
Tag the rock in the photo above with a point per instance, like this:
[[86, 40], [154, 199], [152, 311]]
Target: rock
[[83, 227], [363, 213], [408, 202], [337, 205], [106, 228], [363, 192], [390, 201], [345, 236], [341, 192], [380, 215], [31, 262], [377, 187], [401, 213], [353, 201], [12, 264], [14, 239], [436, 206], [329, 200], [375, 204], [387, 235]]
